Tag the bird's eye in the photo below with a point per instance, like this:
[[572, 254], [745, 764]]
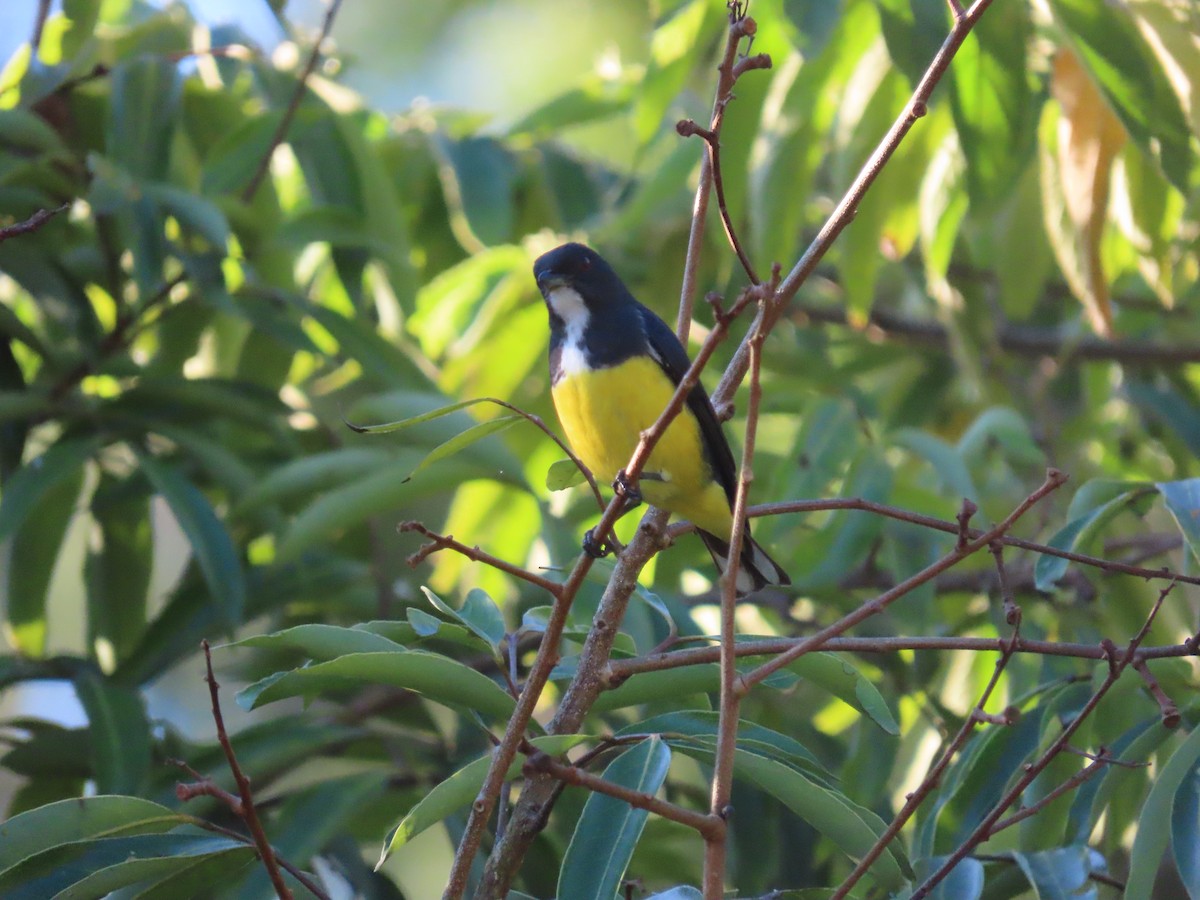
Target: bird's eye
[[585, 264]]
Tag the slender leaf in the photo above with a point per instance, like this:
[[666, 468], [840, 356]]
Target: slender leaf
[[461, 788], [435, 676], [608, 831], [210, 542]]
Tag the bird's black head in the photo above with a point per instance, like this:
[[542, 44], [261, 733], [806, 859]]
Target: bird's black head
[[582, 269]]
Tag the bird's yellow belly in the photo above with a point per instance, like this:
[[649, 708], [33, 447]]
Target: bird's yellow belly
[[604, 411]]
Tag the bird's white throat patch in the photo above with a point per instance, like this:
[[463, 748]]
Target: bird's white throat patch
[[569, 306]]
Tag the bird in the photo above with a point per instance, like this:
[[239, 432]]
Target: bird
[[614, 366]]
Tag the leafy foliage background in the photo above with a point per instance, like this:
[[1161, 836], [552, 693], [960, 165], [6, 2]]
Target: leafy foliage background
[[183, 347]]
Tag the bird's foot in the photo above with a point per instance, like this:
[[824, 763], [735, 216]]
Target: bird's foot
[[595, 548], [628, 491]]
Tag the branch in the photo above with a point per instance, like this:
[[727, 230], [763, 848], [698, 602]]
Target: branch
[[844, 212], [1054, 479], [933, 778], [285, 124], [539, 761], [32, 224], [447, 542], [619, 670], [245, 808], [731, 692], [903, 515], [1030, 771], [1020, 340], [687, 290]]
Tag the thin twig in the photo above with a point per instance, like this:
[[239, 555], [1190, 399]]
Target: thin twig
[[39, 25], [933, 778], [447, 542], [695, 245], [1066, 787], [540, 761], [295, 871], [903, 515], [1025, 341], [1166, 706], [843, 213], [32, 224], [715, 844], [245, 809], [1117, 664], [1054, 479], [619, 670], [285, 124]]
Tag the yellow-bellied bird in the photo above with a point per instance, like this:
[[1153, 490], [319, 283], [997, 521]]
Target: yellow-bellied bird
[[614, 366]]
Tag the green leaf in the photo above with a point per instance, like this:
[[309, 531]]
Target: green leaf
[[460, 790], [965, 881], [37, 545], [839, 676], [914, 31], [38, 477], [321, 641], [117, 571], [194, 213], [671, 59], [438, 413], [120, 733], [1095, 505], [946, 460], [235, 157], [437, 677], [608, 830], [995, 112], [563, 474], [1062, 873], [94, 868], [461, 441], [1185, 831], [309, 474], [704, 724], [79, 819], [479, 615], [851, 827], [146, 91], [596, 98], [213, 548], [1183, 501], [1133, 83]]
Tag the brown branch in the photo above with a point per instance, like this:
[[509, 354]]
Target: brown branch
[[295, 871], [39, 25], [32, 224], [715, 843], [1066, 787], [285, 124], [903, 515], [1030, 771], [245, 809], [934, 777], [1019, 340], [845, 210], [447, 542], [1054, 479], [619, 670], [1166, 706], [540, 761], [725, 80]]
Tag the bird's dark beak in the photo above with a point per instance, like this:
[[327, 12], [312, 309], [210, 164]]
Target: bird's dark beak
[[548, 280]]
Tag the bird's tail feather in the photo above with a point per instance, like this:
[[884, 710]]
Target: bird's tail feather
[[757, 569]]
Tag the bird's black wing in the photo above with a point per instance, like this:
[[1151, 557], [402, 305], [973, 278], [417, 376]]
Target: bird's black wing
[[673, 359]]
